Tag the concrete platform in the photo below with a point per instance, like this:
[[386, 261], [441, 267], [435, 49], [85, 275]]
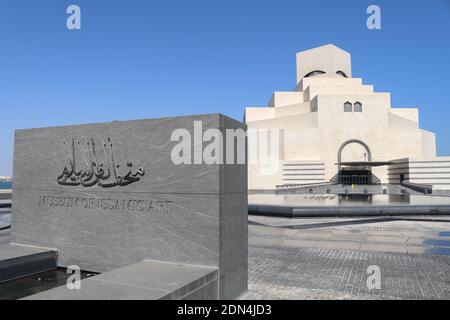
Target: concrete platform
[[18, 261], [350, 211], [146, 280]]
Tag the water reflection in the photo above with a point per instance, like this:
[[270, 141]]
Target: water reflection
[[444, 234], [437, 242], [361, 199], [438, 251]]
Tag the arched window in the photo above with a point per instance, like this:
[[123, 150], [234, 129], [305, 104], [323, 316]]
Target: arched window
[[347, 107], [341, 73], [358, 107], [315, 73]]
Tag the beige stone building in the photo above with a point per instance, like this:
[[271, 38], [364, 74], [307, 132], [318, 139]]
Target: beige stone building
[[332, 127]]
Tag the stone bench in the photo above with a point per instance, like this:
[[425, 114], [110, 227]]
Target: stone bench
[[145, 280]]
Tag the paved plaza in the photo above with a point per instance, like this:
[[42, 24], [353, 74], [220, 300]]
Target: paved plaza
[[328, 258]]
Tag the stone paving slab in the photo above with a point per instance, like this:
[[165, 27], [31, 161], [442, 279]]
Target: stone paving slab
[[308, 273], [100, 290]]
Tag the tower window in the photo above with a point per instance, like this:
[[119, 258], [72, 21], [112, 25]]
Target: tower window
[[315, 73], [347, 107], [341, 73], [358, 106]]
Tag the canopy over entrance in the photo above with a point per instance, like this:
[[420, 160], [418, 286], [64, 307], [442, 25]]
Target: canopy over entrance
[[358, 172], [367, 164]]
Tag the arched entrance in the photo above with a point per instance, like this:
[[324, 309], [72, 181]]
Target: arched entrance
[[355, 172]]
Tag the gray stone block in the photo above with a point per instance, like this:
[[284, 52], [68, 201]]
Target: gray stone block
[[234, 235], [18, 261], [207, 292], [141, 281], [187, 213], [99, 290], [100, 241]]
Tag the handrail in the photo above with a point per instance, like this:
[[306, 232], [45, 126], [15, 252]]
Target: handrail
[[424, 188], [285, 186]]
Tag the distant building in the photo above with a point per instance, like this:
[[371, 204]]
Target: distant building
[[334, 128]]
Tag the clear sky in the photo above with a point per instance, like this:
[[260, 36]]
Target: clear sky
[[142, 59]]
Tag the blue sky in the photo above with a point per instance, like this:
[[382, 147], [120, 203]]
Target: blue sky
[[142, 59]]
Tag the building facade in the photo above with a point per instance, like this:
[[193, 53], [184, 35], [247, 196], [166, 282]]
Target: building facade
[[332, 127]]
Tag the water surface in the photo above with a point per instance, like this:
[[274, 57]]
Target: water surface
[[5, 184]]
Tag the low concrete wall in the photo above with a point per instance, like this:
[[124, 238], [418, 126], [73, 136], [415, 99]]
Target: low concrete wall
[[353, 211], [5, 194]]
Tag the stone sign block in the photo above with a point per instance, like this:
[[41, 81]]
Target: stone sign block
[[109, 195]]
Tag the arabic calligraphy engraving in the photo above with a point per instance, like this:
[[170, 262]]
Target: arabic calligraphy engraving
[[104, 174]]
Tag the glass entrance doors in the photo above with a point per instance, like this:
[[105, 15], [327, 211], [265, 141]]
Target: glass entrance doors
[[355, 177]]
